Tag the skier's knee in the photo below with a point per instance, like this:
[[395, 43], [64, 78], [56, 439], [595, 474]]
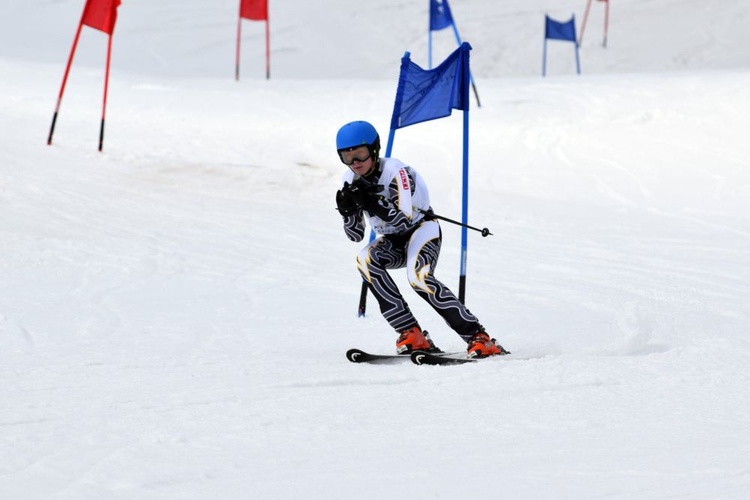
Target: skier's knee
[[418, 279]]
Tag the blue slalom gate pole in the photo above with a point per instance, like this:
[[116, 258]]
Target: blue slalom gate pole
[[471, 77], [464, 212]]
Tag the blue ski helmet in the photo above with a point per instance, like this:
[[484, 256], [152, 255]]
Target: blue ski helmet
[[356, 134]]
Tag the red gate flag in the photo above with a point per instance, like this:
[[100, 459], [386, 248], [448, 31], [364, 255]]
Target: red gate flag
[[255, 10], [586, 16], [101, 14]]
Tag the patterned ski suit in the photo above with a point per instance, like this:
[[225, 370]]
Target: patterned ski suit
[[405, 239]]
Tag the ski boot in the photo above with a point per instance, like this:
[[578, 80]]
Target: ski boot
[[414, 339], [481, 346]]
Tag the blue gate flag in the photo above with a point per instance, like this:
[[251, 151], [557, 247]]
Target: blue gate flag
[[555, 30], [424, 95], [440, 15]]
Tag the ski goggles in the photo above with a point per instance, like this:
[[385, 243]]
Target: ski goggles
[[349, 156]]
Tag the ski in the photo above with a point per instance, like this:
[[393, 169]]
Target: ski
[[427, 358], [360, 356]]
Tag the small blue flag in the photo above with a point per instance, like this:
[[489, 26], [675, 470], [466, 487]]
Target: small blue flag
[[555, 30], [440, 15], [424, 95]]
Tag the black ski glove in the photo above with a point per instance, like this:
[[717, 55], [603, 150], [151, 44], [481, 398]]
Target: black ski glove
[[358, 196], [349, 199]]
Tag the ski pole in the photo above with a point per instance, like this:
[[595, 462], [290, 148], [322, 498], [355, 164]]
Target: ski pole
[[429, 214]]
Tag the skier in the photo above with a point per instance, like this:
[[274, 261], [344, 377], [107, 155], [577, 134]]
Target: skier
[[394, 199]]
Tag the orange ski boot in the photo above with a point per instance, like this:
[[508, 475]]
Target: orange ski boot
[[481, 346], [414, 339]]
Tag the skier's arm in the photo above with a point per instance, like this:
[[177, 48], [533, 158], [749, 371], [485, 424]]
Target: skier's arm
[[354, 226], [387, 208], [349, 204]]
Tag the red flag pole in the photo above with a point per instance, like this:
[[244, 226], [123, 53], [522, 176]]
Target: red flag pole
[[268, 50], [106, 87], [65, 80], [239, 34], [606, 22], [254, 10], [583, 24]]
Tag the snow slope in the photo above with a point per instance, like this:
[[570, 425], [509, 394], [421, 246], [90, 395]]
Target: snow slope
[[150, 293]]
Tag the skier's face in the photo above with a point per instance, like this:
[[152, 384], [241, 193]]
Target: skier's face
[[362, 167], [349, 156]]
